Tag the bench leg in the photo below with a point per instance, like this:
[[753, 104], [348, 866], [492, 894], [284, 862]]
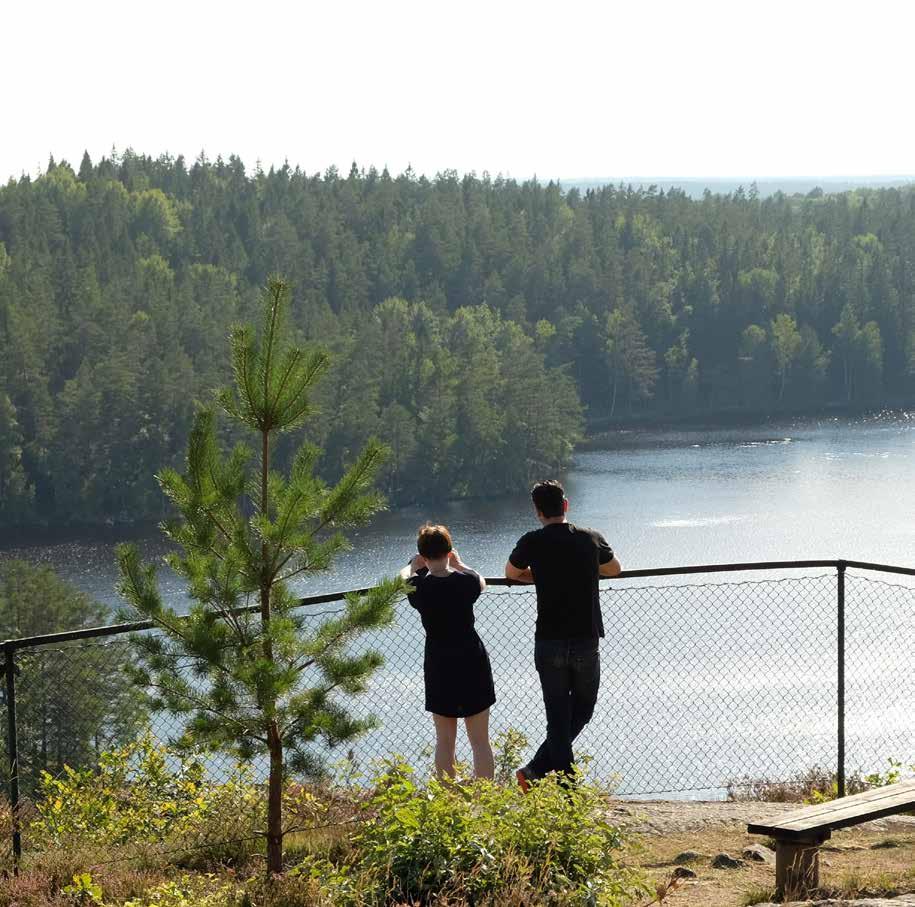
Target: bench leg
[[797, 868]]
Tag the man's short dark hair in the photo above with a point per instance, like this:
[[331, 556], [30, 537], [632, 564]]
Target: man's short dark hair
[[548, 498]]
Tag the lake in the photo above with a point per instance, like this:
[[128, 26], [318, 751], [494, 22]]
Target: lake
[[705, 679]]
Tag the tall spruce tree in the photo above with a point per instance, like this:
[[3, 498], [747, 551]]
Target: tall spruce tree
[[632, 363], [260, 679]]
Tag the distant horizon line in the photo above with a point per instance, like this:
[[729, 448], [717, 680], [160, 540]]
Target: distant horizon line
[[743, 179], [752, 179]]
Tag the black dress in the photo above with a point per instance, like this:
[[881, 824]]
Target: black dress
[[456, 666]]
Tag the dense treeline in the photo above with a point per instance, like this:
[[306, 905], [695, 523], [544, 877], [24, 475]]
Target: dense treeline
[[474, 320], [69, 709]]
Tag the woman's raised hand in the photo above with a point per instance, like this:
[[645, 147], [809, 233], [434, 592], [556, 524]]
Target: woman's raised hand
[[454, 559]]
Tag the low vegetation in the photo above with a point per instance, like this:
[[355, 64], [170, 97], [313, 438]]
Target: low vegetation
[[139, 797], [147, 827], [153, 827], [470, 843], [814, 785]]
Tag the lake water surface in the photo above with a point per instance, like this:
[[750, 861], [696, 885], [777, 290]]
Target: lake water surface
[[704, 678], [812, 489]]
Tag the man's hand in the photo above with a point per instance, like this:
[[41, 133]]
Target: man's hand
[[611, 568], [518, 574]]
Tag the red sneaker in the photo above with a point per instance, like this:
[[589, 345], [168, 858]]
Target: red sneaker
[[523, 781]]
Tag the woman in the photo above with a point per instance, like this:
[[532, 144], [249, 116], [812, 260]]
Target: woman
[[456, 666]]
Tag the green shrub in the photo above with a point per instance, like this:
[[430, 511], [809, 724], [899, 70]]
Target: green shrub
[[82, 890], [142, 794], [509, 746], [190, 891], [470, 842], [148, 800]]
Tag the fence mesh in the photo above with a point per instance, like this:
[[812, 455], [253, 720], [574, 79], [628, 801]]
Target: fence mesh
[[705, 689], [880, 680]]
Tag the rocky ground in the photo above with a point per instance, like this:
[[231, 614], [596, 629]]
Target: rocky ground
[[904, 900], [701, 853], [658, 817]]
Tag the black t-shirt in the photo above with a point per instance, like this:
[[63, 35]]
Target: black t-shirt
[[565, 561], [445, 604]]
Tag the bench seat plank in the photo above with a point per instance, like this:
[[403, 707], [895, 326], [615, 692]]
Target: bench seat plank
[[812, 821]]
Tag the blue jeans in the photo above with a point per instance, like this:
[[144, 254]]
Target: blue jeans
[[569, 672]]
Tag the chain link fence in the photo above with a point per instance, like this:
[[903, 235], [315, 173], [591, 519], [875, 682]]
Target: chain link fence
[[880, 674], [706, 688]]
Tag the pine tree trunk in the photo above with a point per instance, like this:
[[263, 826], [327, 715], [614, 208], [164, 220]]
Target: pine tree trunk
[[274, 740], [275, 803]]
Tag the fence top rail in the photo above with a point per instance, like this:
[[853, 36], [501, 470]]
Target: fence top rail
[[11, 645], [879, 568]]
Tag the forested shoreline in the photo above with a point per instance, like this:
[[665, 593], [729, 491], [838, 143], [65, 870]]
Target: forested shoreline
[[476, 324]]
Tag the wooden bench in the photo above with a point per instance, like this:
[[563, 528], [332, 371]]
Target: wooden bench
[[798, 835]]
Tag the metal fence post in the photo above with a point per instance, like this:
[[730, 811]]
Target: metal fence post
[[12, 747], [840, 679]]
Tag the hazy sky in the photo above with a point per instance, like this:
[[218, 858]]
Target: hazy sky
[[686, 88]]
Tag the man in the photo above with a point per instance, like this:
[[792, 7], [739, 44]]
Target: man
[[564, 562]]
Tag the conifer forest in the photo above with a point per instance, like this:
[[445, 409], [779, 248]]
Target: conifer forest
[[480, 327]]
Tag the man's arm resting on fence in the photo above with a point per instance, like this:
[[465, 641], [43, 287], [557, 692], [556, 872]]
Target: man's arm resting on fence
[[611, 568], [520, 575]]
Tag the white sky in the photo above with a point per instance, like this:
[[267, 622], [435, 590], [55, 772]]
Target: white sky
[[645, 87]]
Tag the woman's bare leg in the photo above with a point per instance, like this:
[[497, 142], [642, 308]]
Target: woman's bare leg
[[478, 732], [445, 738]]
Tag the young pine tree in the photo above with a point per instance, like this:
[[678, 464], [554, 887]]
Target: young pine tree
[[259, 680]]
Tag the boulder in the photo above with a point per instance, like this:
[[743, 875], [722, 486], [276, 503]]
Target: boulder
[[726, 861], [683, 872], [757, 853], [687, 856]]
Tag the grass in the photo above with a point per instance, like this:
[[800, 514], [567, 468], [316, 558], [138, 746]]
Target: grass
[[858, 867], [846, 873], [757, 894], [814, 785], [855, 867], [887, 843], [410, 842], [858, 862]]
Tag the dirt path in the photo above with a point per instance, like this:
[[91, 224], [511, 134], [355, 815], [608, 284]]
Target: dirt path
[[660, 817]]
